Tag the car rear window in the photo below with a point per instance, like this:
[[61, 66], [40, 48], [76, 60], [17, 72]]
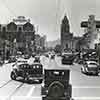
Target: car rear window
[[92, 65]]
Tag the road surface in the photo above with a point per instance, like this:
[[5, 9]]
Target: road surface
[[83, 87]]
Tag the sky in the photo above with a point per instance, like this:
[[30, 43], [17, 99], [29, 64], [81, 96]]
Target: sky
[[46, 15]]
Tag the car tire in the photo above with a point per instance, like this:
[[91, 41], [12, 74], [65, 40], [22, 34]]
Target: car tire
[[13, 76]]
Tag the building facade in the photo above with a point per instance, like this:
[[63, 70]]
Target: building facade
[[40, 42], [66, 36], [92, 35], [68, 41], [20, 34]]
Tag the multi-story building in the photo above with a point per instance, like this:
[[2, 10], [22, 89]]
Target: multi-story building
[[20, 32], [92, 34], [68, 41], [66, 36], [40, 42], [43, 41]]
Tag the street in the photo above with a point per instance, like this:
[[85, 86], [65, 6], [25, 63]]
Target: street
[[83, 87]]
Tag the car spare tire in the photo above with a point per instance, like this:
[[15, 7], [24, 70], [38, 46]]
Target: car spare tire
[[56, 89]]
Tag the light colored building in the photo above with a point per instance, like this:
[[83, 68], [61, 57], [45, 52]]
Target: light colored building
[[40, 42], [92, 27]]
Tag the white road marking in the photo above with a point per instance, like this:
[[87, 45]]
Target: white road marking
[[83, 87], [87, 98], [30, 92]]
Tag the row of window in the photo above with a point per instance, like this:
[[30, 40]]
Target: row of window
[[13, 27]]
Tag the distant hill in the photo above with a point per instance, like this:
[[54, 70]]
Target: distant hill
[[53, 43]]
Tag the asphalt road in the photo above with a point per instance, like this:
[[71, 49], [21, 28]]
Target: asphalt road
[[83, 87]]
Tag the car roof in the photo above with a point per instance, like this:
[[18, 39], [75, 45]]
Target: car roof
[[36, 63], [90, 61]]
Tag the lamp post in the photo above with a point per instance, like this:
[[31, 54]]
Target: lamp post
[[4, 38]]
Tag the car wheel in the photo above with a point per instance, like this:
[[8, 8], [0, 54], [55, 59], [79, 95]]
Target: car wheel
[[13, 76]]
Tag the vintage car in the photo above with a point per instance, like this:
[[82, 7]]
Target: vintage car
[[90, 67], [68, 58], [26, 56], [29, 73], [56, 85]]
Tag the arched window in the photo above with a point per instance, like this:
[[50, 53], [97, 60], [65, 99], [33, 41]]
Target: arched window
[[28, 27], [12, 27]]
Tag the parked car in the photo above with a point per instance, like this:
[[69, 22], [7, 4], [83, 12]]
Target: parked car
[[90, 67], [26, 56], [36, 74], [28, 73]]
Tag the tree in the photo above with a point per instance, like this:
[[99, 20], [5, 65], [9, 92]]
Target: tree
[[57, 48]]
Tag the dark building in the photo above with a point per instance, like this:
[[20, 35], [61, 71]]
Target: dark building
[[68, 41], [20, 34], [66, 36]]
